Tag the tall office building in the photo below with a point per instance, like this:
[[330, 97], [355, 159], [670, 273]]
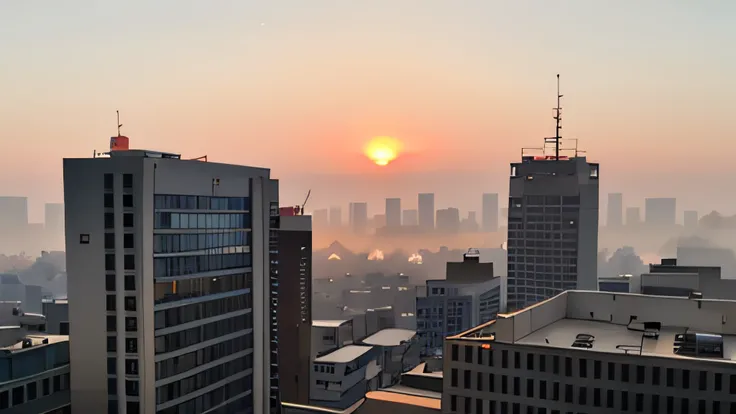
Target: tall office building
[[660, 211], [359, 217], [410, 218], [633, 216], [448, 220], [335, 217], [294, 313], [426, 211], [13, 224], [690, 219], [490, 212], [393, 212], [54, 226], [170, 285], [321, 218], [615, 210], [553, 224]]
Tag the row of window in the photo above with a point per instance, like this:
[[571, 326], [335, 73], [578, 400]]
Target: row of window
[[175, 243], [183, 363], [131, 407], [164, 220], [176, 290], [132, 387], [535, 200], [187, 265], [545, 244], [128, 220], [202, 310], [131, 323], [192, 336], [130, 303], [214, 398], [129, 282], [109, 181], [29, 392], [128, 262], [128, 241], [201, 202], [131, 345], [174, 390], [131, 366], [109, 200]]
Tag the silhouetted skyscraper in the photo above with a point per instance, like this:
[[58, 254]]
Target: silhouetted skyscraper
[[690, 219], [448, 220], [490, 212], [426, 211], [410, 218], [393, 212], [633, 216], [335, 217], [660, 211], [615, 210], [359, 217]]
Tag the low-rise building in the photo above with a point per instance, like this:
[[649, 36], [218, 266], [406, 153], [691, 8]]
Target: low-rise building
[[342, 377], [56, 312], [398, 350], [602, 352], [329, 335]]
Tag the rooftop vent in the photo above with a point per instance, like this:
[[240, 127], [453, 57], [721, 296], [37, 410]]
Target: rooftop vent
[[583, 340], [27, 343], [695, 295], [699, 345]]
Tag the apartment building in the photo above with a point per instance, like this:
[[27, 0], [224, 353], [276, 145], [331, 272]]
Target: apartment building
[[597, 352]]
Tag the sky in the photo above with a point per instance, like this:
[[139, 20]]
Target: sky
[[300, 86]]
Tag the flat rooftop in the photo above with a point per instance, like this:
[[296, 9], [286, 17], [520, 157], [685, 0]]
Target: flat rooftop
[[37, 339], [389, 337], [395, 397], [344, 355], [329, 323]]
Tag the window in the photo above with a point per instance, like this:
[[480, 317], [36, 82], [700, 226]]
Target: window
[[530, 388], [624, 400], [4, 400], [556, 391], [466, 379], [655, 404], [110, 283], [504, 359], [131, 346], [583, 396], [111, 323], [108, 178], [108, 200], [112, 386], [127, 200], [467, 405], [18, 395], [455, 352], [490, 357], [129, 282], [453, 378], [542, 390], [583, 367], [597, 369], [732, 384], [655, 375], [110, 303], [568, 393], [479, 381], [453, 403], [611, 371], [568, 367], [542, 364], [128, 220], [530, 361], [670, 404], [133, 407], [478, 406], [131, 324], [129, 262], [131, 367], [109, 240], [111, 365], [517, 360], [640, 374], [111, 344], [684, 406], [31, 391], [130, 303], [491, 383], [517, 386], [128, 241], [110, 262], [45, 387], [685, 379], [718, 381], [63, 328], [555, 364], [469, 354], [131, 388], [127, 180], [480, 355], [504, 385], [109, 221], [596, 397], [609, 398], [670, 377], [624, 372]]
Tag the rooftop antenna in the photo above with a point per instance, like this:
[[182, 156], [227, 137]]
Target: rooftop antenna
[[120, 125], [558, 119]]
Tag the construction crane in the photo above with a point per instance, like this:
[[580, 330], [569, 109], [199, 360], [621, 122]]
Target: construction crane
[[299, 210]]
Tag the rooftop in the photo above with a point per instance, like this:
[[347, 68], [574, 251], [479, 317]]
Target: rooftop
[[36, 339], [433, 403], [616, 321], [344, 355], [329, 323], [389, 337]]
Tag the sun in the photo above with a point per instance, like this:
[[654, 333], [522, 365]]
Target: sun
[[382, 150]]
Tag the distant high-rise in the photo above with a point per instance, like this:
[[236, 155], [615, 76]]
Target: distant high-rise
[[410, 218], [13, 214], [54, 225], [633, 216], [490, 212], [469, 224], [335, 217], [448, 220], [359, 217], [320, 218], [553, 223], [379, 221], [690, 219], [660, 211], [615, 210], [426, 211], [393, 212]]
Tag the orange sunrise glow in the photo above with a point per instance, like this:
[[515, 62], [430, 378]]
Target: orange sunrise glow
[[382, 150]]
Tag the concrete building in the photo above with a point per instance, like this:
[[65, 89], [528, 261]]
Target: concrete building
[[335, 217], [597, 352], [621, 284], [615, 211], [34, 366], [426, 211], [57, 316], [13, 290], [469, 295], [448, 220], [182, 320], [490, 212], [294, 312], [397, 351], [660, 211], [393, 212], [329, 335], [14, 222], [410, 218], [54, 226], [342, 377], [553, 228], [690, 219], [359, 217], [633, 216]]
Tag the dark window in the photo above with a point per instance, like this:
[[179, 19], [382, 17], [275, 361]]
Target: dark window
[[542, 390], [129, 262], [609, 398], [46, 386], [128, 220], [480, 355], [109, 220], [108, 181], [63, 328], [110, 283], [18, 396], [131, 367], [128, 240], [655, 404], [478, 405], [555, 364], [685, 379], [133, 407], [556, 391], [109, 240], [597, 369], [110, 302], [596, 397], [718, 382], [655, 375], [624, 400], [583, 396], [109, 200], [453, 377], [640, 374], [112, 344], [611, 371], [129, 282], [504, 359], [639, 403], [467, 405], [127, 200], [131, 345], [530, 388], [112, 387], [131, 388], [670, 404], [491, 383], [530, 361], [504, 385], [453, 403], [568, 367], [490, 358], [583, 367], [111, 323], [468, 354], [717, 407], [568, 393], [517, 360], [542, 364], [479, 381], [466, 379], [111, 365], [625, 372], [130, 303], [455, 352], [131, 324], [517, 386], [684, 406], [127, 180], [4, 400], [701, 406], [31, 391], [670, 377], [732, 384], [110, 262]]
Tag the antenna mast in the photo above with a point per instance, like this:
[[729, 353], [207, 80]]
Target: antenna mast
[[558, 119], [120, 125]]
